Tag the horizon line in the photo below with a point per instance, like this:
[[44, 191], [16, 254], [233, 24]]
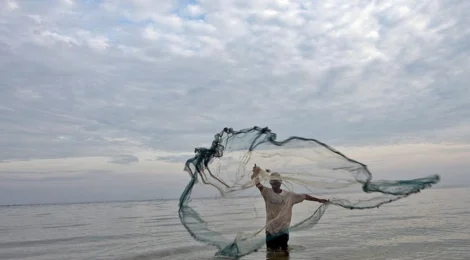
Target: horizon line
[[169, 199]]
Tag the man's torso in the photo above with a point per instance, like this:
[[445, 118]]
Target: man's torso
[[278, 210]]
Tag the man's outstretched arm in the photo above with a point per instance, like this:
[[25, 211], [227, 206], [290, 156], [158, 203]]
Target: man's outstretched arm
[[308, 197]]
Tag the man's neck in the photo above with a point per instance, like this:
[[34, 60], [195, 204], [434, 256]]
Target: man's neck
[[277, 191]]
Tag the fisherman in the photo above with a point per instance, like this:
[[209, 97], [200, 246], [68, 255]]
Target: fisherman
[[279, 205]]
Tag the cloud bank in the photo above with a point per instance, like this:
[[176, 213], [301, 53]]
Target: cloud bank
[[128, 82]]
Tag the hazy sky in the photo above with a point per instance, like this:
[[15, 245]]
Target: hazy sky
[[105, 99]]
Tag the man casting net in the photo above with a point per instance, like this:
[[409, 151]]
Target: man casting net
[[238, 161]]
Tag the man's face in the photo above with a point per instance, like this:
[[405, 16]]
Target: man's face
[[275, 184]]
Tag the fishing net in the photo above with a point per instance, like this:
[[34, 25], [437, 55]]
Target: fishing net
[[240, 217]]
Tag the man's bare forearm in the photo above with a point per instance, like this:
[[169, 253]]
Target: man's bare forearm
[[308, 197]]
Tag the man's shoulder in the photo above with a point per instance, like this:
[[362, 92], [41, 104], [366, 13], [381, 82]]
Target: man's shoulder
[[266, 191], [291, 193], [286, 192]]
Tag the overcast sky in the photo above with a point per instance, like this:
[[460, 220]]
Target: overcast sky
[[105, 99]]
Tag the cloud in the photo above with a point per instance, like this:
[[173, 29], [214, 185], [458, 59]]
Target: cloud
[[125, 159], [99, 79], [177, 158], [10, 5]]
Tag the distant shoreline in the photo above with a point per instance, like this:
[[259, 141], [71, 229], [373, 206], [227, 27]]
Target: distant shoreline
[[172, 199]]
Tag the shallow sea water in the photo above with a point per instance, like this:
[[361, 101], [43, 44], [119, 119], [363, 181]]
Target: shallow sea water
[[434, 224]]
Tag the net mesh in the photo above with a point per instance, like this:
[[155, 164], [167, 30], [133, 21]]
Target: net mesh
[[305, 166]]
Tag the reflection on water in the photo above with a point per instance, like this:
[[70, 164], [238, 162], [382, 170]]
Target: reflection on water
[[277, 255]]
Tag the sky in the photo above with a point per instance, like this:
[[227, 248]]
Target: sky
[[106, 99]]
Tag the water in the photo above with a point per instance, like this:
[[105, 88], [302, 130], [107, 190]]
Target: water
[[434, 224]]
